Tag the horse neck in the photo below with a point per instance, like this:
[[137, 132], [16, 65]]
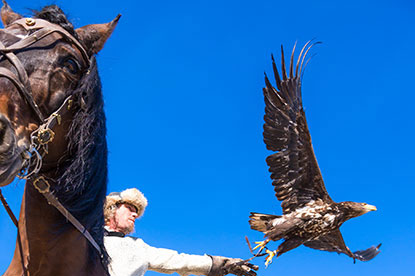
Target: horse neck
[[45, 244]]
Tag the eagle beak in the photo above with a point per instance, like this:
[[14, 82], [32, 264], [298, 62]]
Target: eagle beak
[[370, 208]]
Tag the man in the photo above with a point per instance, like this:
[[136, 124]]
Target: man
[[131, 256]]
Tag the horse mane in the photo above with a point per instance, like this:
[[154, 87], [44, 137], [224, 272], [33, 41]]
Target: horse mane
[[55, 15], [82, 182]]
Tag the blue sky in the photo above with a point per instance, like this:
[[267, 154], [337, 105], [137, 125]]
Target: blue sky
[[182, 82]]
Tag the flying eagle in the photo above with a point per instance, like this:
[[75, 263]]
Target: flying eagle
[[310, 216]]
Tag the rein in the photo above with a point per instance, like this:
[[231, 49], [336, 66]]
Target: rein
[[41, 137]]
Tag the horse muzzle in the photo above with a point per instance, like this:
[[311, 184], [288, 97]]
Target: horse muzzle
[[11, 160]]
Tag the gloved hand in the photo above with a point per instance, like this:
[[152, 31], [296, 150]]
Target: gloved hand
[[222, 266]]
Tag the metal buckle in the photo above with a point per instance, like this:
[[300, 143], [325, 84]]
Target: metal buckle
[[58, 117], [70, 102], [45, 136], [44, 186], [30, 21]]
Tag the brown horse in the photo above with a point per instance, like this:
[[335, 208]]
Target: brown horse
[[52, 127]]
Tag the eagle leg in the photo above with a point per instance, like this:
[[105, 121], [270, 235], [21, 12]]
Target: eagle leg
[[261, 245]]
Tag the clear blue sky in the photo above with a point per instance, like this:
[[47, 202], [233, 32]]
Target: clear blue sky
[[182, 83]]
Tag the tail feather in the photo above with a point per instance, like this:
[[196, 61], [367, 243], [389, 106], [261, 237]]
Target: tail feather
[[261, 222], [274, 227]]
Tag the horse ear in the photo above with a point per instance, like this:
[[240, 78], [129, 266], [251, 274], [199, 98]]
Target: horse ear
[[7, 15], [94, 36]]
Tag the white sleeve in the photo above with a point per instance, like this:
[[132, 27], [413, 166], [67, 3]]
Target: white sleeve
[[169, 261]]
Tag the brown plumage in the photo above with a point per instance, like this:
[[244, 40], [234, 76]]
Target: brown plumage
[[310, 216]]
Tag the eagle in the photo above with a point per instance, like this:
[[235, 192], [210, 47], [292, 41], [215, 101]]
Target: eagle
[[310, 217]]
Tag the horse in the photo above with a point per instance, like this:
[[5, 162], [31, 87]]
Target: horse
[[52, 133]]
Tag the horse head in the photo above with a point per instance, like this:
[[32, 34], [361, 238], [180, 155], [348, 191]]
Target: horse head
[[43, 61]]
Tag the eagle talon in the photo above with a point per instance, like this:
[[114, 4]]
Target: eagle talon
[[261, 245], [271, 255]]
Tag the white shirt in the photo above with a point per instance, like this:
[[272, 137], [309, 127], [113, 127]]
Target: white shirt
[[131, 256]]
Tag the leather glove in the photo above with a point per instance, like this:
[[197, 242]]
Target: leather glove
[[222, 266]]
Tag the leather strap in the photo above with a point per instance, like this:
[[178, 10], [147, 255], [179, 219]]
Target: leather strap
[[42, 185], [8, 209], [23, 91], [113, 234], [46, 28], [18, 65]]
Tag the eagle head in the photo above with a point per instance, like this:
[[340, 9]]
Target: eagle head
[[355, 209]]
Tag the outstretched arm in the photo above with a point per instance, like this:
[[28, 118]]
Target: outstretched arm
[[169, 261]]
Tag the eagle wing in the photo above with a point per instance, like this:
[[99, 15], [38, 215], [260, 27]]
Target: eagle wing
[[333, 242], [296, 175]]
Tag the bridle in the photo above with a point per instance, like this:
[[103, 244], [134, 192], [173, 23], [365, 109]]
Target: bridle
[[38, 29], [43, 135], [42, 29]]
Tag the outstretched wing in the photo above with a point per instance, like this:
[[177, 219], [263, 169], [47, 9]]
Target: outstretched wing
[[294, 169], [333, 242]]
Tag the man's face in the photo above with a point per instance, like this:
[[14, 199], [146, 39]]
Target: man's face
[[125, 217]]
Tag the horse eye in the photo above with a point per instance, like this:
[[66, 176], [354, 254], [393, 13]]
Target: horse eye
[[71, 65]]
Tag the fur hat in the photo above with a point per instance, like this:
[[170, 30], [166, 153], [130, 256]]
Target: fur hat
[[131, 196]]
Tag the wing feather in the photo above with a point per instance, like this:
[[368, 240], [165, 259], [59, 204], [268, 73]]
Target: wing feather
[[294, 169], [333, 242]]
